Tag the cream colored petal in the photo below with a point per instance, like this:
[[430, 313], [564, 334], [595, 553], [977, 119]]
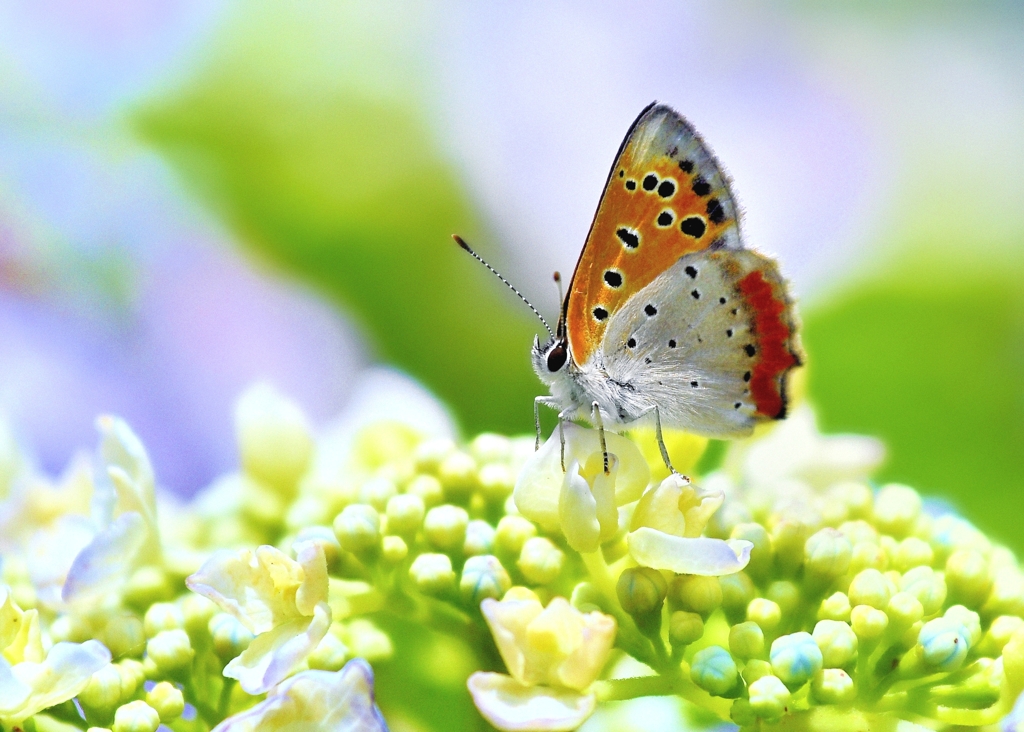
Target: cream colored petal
[[577, 512], [313, 590], [658, 508], [539, 483], [101, 569], [697, 517], [633, 473], [273, 655], [508, 621], [511, 707], [27, 644], [582, 666], [63, 674], [556, 632], [708, 557], [603, 488]]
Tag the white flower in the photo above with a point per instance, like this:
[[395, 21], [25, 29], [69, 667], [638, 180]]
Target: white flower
[[282, 601], [338, 701]]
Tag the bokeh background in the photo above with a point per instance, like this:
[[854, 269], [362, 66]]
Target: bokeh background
[[196, 194]]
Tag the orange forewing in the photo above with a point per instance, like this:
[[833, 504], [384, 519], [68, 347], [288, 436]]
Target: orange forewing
[[628, 209]]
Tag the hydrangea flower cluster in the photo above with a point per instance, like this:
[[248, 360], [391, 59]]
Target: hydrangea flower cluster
[[783, 591]]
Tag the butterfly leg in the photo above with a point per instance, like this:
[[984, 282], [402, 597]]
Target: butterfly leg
[[547, 402], [659, 437], [599, 422]]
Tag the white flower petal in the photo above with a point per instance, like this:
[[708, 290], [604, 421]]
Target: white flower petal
[[101, 569], [708, 557], [577, 512], [510, 706], [273, 655], [63, 674]]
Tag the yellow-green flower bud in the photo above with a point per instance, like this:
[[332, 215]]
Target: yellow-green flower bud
[[927, 586], [229, 636], [896, 509], [970, 621], [489, 447], [377, 491], [167, 700], [742, 714], [496, 482], [837, 641], [701, 595], [196, 612], [147, 585], [967, 577], [746, 640], [788, 539], [274, 438], [358, 528], [795, 658], [70, 628], [827, 555], [999, 634], [859, 531], [868, 623], [871, 587], [132, 673], [1007, 594], [1013, 662], [136, 716], [833, 686], [904, 610], [329, 655], [762, 556], [868, 555], [765, 613], [913, 552], [685, 628], [428, 488], [479, 538], [163, 616], [540, 561], [944, 643], [512, 533], [124, 635], [445, 527], [737, 592], [835, 607], [457, 473], [641, 590], [714, 670], [769, 697], [430, 453], [785, 594], [482, 577], [170, 650], [367, 641], [433, 574], [754, 669], [103, 692], [405, 514], [393, 549]]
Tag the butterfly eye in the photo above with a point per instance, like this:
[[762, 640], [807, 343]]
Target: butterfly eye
[[557, 357]]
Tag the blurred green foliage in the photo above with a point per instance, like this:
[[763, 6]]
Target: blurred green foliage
[[929, 356]]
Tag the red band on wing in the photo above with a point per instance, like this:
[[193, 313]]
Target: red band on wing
[[773, 336]]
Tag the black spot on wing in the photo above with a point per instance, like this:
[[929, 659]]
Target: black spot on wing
[[715, 211], [613, 278], [650, 182], [627, 237], [693, 226]]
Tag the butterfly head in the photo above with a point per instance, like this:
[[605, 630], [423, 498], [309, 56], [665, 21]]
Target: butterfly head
[[550, 358]]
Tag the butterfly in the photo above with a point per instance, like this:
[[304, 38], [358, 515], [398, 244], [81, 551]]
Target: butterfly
[[667, 313]]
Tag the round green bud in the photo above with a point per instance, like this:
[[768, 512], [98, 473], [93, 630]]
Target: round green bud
[[496, 482], [429, 454], [586, 598], [701, 595], [457, 473], [765, 613], [358, 528], [162, 616], [641, 590], [482, 577], [428, 488], [857, 497], [445, 527], [896, 509], [70, 628], [904, 610], [377, 492], [329, 655], [769, 697], [837, 641], [490, 447], [102, 693], [999, 634], [196, 612], [928, 586], [368, 641], [859, 531], [714, 670], [136, 716], [405, 514], [1007, 594], [795, 658], [868, 623], [785, 594], [685, 628], [124, 635], [788, 538], [913, 552], [170, 650], [540, 561], [970, 621], [133, 675], [167, 700], [868, 555], [833, 686], [944, 643], [512, 533], [146, 586], [746, 640], [871, 587], [393, 549], [827, 555], [762, 556], [274, 438], [737, 592], [742, 714], [835, 607], [433, 574], [479, 538], [754, 669], [229, 636], [967, 577]]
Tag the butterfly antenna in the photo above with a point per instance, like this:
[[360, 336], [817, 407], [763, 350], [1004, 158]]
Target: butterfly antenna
[[561, 303], [461, 242]]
